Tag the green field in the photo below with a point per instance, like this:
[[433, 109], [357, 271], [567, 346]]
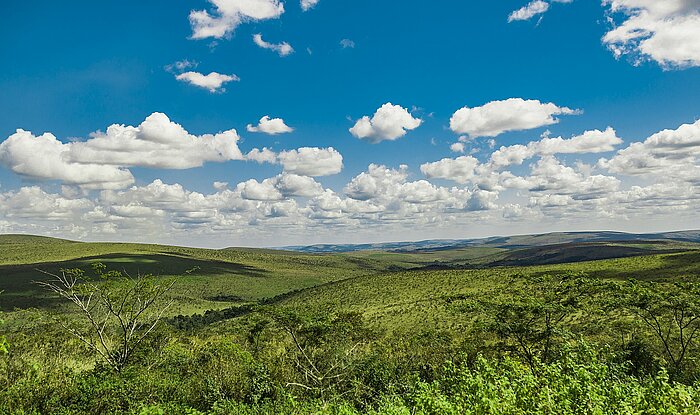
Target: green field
[[483, 329]]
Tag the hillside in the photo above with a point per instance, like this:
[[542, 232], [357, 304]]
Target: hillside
[[215, 279], [423, 298], [518, 241], [380, 332], [206, 278]]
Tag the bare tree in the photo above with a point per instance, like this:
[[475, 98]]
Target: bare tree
[[119, 311], [325, 349]]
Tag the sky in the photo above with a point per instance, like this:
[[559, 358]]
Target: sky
[[268, 123]]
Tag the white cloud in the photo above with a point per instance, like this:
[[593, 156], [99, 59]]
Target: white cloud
[[550, 177], [254, 190], [530, 10], [262, 156], [461, 170], [311, 161], [308, 4], [457, 147], [45, 157], [481, 200], [295, 185], [667, 32], [382, 201], [280, 187], [377, 181], [513, 114], [100, 162], [510, 155], [213, 82], [270, 126], [229, 14], [282, 49], [157, 142], [389, 122], [422, 191], [670, 153], [220, 185], [593, 141], [33, 203]]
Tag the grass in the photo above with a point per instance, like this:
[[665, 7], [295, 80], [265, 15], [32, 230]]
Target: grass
[[216, 279], [412, 300], [205, 278], [417, 302]]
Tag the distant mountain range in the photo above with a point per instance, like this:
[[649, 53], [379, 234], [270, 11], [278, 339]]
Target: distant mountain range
[[512, 242]]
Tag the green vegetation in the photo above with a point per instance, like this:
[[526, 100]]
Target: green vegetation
[[231, 331]]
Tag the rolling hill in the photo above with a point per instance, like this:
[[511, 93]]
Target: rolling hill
[[519, 241]]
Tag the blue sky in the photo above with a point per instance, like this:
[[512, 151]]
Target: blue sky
[[73, 69]]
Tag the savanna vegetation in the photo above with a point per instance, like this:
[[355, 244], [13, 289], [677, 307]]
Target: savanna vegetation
[[148, 329]]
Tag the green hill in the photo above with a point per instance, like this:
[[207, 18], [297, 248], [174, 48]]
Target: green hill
[[206, 278], [504, 329]]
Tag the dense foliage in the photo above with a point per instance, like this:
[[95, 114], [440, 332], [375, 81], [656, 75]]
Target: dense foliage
[[527, 340]]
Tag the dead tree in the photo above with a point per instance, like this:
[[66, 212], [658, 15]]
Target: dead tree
[[119, 311]]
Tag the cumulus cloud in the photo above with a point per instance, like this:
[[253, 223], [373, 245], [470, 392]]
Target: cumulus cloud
[[280, 187], [308, 4], [592, 141], [550, 177], [296, 185], [375, 182], [422, 191], [667, 32], [395, 198], [488, 176], [229, 14], [389, 122], [498, 117], [262, 156], [381, 198], [461, 170], [282, 49], [672, 153], [45, 157], [270, 126], [100, 162], [385, 200], [213, 82], [311, 161], [457, 147], [254, 190], [157, 142], [33, 203]]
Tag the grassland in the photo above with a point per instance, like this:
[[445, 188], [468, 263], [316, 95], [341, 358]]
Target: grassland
[[206, 279], [395, 321]]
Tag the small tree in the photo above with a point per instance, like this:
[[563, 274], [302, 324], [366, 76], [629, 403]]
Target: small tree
[[325, 349], [531, 318], [672, 313], [119, 311]]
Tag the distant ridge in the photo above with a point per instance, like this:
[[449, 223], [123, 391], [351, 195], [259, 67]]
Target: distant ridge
[[517, 241]]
